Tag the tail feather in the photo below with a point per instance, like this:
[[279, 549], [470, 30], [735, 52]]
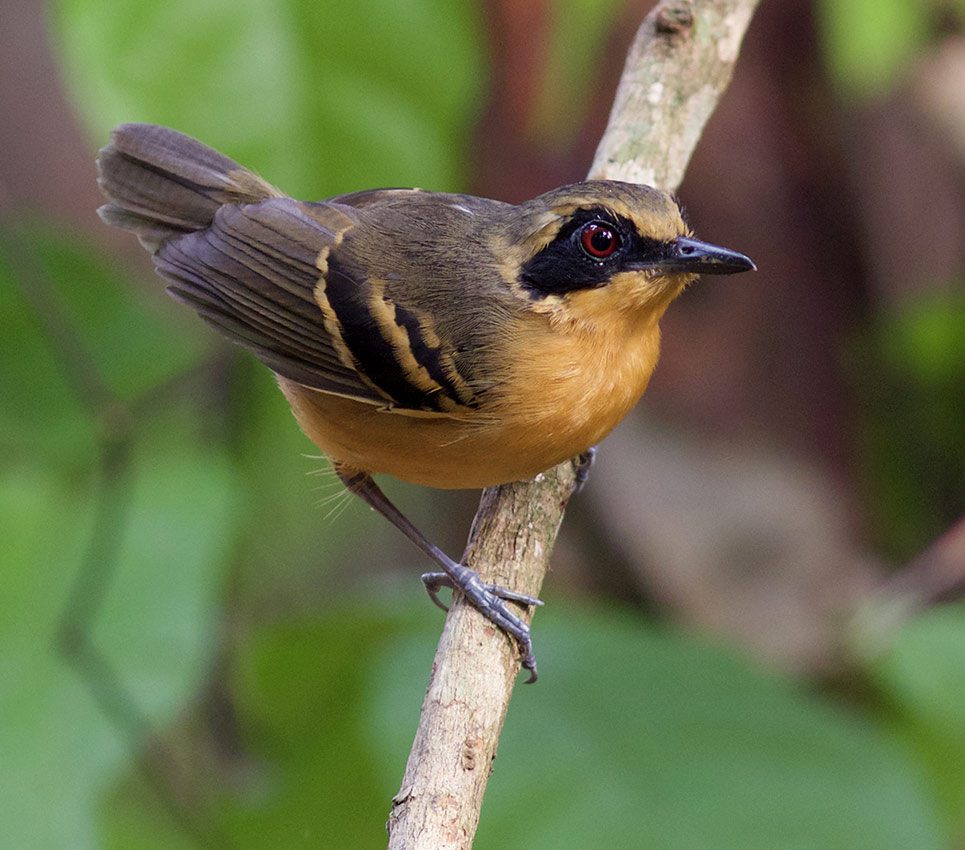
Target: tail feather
[[161, 183]]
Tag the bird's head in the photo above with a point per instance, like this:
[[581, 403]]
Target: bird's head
[[603, 246]]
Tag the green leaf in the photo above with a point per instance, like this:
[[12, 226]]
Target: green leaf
[[159, 618], [925, 342], [632, 738], [82, 316], [869, 43], [571, 73], [922, 676], [300, 695], [909, 376], [60, 749], [318, 97], [40, 414], [638, 738], [133, 818]]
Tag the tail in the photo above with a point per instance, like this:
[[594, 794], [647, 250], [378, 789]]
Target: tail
[[161, 183]]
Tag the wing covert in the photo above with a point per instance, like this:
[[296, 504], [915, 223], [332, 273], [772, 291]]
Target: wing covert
[[252, 275], [270, 277]]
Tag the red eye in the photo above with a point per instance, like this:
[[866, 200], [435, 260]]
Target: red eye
[[599, 240]]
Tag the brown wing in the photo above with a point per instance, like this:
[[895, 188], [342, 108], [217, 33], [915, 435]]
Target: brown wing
[[275, 275], [253, 274], [322, 293], [279, 278]]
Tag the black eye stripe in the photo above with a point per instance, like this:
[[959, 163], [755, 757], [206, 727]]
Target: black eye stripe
[[647, 248], [565, 265]]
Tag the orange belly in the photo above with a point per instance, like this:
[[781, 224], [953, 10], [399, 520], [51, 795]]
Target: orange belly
[[437, 451], [566, 392]]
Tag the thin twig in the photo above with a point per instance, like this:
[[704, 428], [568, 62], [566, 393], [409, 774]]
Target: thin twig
[[677, 69], [933, 577]]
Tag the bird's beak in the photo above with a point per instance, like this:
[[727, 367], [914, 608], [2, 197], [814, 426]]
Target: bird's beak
[[695, 257]]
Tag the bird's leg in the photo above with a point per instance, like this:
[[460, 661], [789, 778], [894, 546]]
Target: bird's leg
[[435, 581], [582, 463], [488, 599]]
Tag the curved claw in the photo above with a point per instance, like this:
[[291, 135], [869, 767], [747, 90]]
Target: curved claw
[[433, 582], [529, 662], [582, 462], [489, 600], [529, 659]]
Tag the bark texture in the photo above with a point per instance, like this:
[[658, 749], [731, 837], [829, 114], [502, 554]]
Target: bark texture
[[677, 69]]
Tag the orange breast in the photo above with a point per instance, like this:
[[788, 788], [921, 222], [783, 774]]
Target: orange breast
[[569, 386]]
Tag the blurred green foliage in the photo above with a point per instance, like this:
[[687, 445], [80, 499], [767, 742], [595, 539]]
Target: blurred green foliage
[[906, 367], [869, 44], [283, 711], [160, 614], [322, 97], [682, 746], [570, 76], [909, 376], [922, 680]]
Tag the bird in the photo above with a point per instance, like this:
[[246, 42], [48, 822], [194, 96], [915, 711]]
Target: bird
[[443, 339]]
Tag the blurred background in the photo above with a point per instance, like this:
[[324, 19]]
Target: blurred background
[[753, 635]]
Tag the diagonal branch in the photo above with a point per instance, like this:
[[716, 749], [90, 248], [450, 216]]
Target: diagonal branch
[[678, 67]]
